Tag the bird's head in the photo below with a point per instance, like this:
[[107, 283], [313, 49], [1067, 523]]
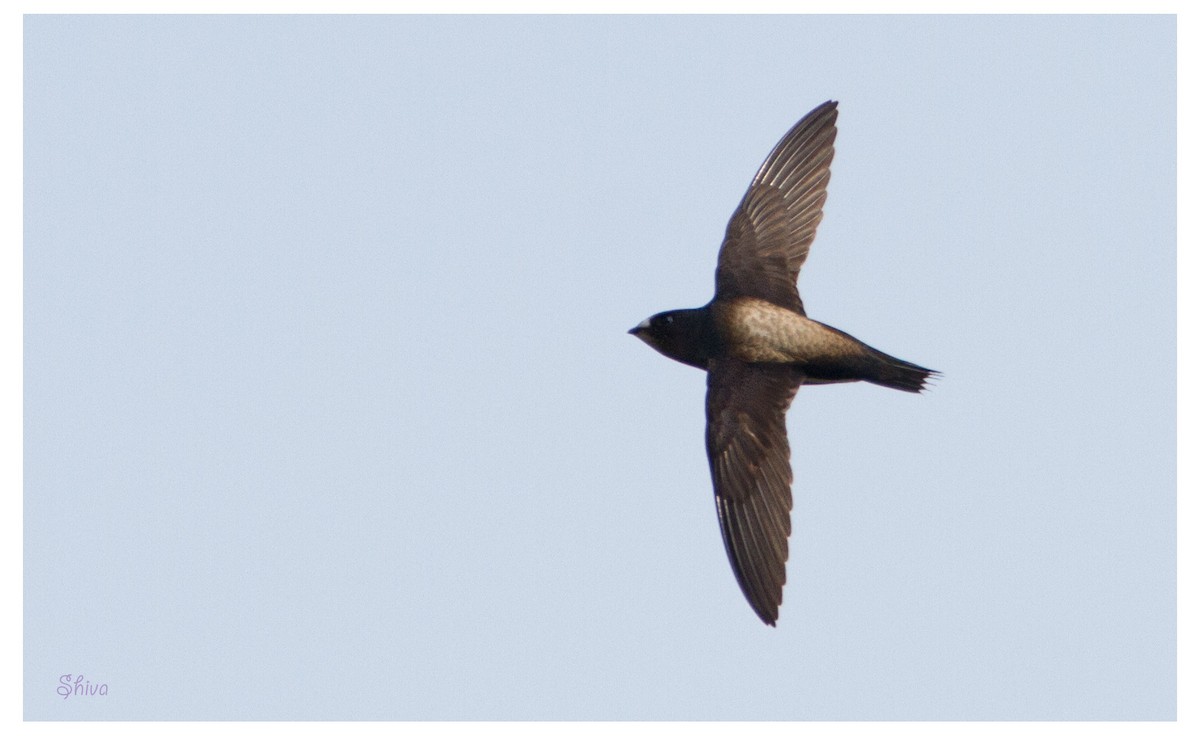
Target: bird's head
[[680, 334]]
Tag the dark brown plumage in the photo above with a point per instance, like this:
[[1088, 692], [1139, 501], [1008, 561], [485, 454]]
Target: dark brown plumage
[[758, 346]]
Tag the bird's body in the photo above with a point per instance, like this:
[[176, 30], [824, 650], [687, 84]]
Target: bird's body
[[758, 346]]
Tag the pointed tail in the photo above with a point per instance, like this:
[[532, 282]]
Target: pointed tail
[[900, 374]]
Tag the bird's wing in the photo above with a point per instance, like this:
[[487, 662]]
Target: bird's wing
[[769, 235], [748, 455]]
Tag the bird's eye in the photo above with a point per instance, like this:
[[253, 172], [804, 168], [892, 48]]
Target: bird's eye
[[670, 319]]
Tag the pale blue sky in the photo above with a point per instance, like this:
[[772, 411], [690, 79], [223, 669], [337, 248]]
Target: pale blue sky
[[330, 411]]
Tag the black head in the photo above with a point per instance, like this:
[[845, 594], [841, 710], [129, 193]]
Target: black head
[[681, 334]]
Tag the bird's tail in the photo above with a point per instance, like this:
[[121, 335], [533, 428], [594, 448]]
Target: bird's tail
[[900, 374]]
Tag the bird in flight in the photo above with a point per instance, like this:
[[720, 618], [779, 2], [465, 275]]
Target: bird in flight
[[758, 346]]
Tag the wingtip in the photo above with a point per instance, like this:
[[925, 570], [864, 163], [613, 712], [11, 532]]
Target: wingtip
[[768, 615]]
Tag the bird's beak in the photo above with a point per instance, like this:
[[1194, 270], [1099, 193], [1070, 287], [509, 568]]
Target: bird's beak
[[642, 327]]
